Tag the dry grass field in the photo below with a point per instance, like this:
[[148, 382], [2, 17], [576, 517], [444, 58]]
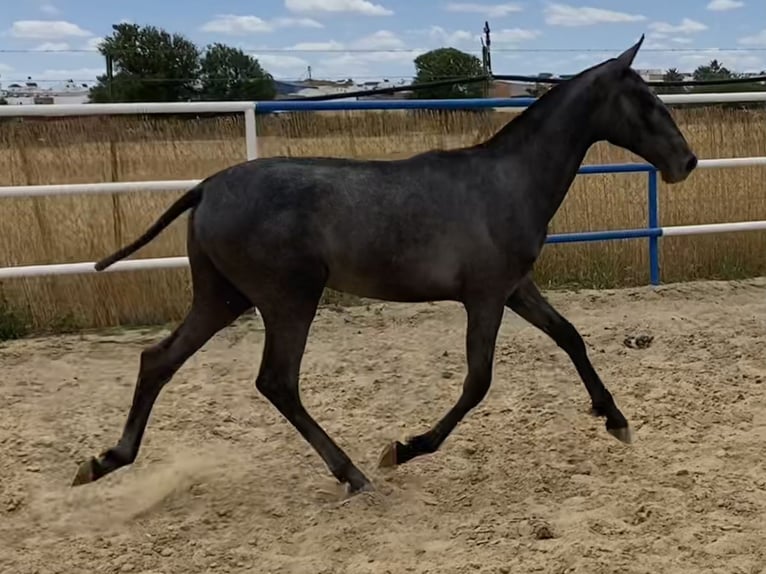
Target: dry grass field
[[96, 149]]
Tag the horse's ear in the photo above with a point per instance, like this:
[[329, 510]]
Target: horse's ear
[[626, 58]]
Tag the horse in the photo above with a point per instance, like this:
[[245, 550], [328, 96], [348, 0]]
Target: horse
[[463, 225]]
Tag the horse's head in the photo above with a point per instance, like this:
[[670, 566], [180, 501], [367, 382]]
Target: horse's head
[[631, 116]]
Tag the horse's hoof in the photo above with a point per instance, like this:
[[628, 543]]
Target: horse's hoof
[[623, 434], [84, 474], [364, 487], [388, 456]]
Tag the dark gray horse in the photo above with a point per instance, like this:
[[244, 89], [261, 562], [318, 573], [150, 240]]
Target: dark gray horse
[[462, 225]]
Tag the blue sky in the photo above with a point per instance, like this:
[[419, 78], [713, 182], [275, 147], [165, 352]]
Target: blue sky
[[374, 39]]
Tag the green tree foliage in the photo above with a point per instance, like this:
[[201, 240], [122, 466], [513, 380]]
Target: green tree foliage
[[671, 75], [443, 64], [150, 65], [715, 70], [229, 74], [153, 65]]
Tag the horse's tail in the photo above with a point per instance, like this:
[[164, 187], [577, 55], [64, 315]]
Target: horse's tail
[[187, 201]]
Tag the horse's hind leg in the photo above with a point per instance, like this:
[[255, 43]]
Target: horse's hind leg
[[530, 304], [215, 304]]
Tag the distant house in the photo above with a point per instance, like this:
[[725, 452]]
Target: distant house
[[30, 93], [312, 88], [509, 89], [653, 75], [307, 88], [287, 89]]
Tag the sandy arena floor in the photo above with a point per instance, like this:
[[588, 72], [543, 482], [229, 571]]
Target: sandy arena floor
[[528, 483]]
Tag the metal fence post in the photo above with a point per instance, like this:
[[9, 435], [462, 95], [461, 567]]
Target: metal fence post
[[654, 223], [251, 141]]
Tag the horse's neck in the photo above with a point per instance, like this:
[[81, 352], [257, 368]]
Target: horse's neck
[[549, 144]]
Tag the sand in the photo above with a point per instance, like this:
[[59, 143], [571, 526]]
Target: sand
[[529, 482]]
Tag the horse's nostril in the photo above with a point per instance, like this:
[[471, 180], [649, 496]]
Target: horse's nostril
[[692, 163]]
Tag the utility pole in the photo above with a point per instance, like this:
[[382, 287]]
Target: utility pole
[[109, 75], [486, 58]]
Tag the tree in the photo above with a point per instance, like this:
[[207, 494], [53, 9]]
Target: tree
[[671, 75], [228, 73], [150, 65], [444, 64], [713, 71]]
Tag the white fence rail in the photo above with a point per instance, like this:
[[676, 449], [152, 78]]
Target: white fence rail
[[57, 110], [248, 109]]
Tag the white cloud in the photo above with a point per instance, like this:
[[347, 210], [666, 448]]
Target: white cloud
[[296, 23], [652, 44], [282, 65], [387, 55], [78, 74], [566, 15], [734, 60], [52, 47], [470, 41], [380, 40], [491, 10], [514, 35], [686, 26], [353, 6], [755, 40], [328, 46], [234, 25], [367, 65], [723, 5], [49, 9], [46, 29], [455, 39], [594, 57], [93, 43]]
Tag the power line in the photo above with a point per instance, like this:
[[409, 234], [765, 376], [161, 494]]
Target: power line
[[224, 79], [442, 79], [664, 83], [404, 50]]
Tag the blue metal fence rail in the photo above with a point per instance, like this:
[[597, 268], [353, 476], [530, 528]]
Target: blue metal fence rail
[[652, 231]]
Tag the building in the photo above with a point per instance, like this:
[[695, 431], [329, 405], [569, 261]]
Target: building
[[29, 93], [308, 88], [510, 89]]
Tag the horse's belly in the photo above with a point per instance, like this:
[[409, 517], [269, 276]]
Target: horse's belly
[[424, 280]]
